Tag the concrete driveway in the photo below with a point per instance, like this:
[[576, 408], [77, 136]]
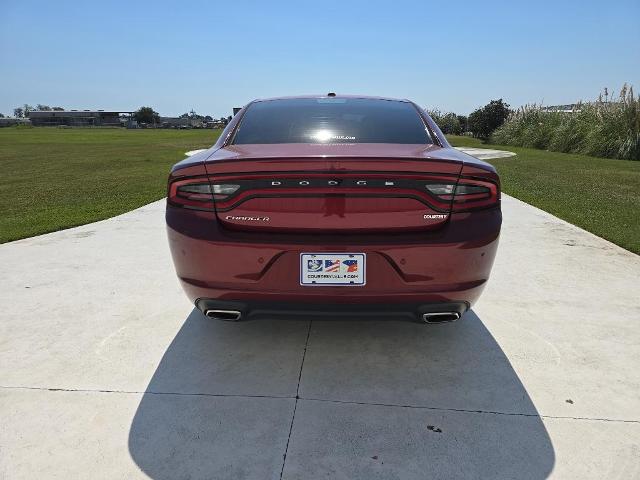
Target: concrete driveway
[[108, 372], [486, 153]]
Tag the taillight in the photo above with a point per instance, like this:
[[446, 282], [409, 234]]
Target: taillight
[[223, 189], [198, 193], [467, 194], [442, 190]]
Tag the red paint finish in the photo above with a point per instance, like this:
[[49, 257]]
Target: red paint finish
[[424, 244], [451, 266]]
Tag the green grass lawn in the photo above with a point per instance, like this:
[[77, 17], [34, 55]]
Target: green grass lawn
[[598, 194], [58, 178]]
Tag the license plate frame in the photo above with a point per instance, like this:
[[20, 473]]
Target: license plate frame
[[327, 275]]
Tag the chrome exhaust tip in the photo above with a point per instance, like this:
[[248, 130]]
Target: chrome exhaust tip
[[226, 315], [440, 317]]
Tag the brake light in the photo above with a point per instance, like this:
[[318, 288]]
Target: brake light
[[198, 193], [441, 190], [467, 194]]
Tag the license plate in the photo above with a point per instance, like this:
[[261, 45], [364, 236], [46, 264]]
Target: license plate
[[347, 269]]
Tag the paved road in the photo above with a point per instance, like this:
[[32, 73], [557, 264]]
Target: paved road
[[107, 372]]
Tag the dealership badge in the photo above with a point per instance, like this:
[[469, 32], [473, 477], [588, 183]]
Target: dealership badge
[[352, 265], [315, 265], [332, 265]]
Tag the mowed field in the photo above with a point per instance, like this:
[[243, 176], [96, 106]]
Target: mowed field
[[59, 178], [600, 195]]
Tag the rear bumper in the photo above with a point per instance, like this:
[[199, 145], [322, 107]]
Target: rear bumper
[[252, 309], [405, 272]]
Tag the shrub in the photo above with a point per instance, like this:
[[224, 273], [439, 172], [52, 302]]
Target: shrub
[[146, 115], [483, 121], [600, 128], [448, 122]]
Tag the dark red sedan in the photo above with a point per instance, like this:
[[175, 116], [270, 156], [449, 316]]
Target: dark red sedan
[[339, 205]]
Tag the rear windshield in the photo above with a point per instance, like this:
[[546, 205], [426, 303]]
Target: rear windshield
[[331, 120]]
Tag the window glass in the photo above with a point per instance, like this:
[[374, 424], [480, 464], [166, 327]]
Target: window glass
[[331, 120]]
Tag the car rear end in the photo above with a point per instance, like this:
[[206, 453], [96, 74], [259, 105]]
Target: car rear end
[[298, 216]]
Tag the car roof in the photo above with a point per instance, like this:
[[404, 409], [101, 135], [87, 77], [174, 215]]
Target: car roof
[[336, 95]]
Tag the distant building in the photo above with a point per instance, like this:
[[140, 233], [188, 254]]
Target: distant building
[[577, 107], [181, 122], [11, 121], [569, 108], [76, 118], [215, 124]]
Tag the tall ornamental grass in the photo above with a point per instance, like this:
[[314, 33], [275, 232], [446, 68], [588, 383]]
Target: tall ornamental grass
[[609, 129]]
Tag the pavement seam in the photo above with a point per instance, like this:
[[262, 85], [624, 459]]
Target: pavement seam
[[146, 392], [295, 405], [463, 410], [320, 400]]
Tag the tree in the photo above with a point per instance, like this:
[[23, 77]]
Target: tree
[[1, 115], [45, 108], [26, 108], [208, 118], [194, 116], [448, 122], [18, 112], [483, 121], [464, 124], [146, 115], [58, 109]]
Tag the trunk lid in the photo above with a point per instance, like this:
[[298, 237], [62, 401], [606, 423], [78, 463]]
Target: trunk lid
[[319, 188]]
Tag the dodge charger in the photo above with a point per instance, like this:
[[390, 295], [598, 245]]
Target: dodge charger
[[333, 205]]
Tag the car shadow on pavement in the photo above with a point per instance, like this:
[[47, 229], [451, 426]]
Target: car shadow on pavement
[[221, 400]]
